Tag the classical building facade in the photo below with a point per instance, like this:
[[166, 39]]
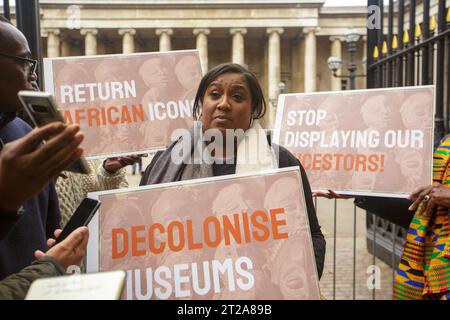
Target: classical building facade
[[282, 41]]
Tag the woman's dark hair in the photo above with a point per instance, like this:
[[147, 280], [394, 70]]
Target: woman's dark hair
[[258, 102]]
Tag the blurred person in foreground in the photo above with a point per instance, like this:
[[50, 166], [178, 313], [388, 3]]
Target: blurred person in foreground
[[29, 204], [54, 262]]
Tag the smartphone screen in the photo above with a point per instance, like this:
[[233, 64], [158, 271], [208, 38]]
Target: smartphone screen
[[41, 114], [41, 109], [81, 217]]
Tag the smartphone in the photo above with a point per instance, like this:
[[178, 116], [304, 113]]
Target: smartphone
[[41, 108], [81, 217]]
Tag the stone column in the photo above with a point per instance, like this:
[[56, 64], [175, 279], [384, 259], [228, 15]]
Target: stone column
[[274, 71], [238, 54], [164, 39], [53, 42], [336, 51], [310, 59], [127, 40], [65, 45], [90, 41], [202, 46]]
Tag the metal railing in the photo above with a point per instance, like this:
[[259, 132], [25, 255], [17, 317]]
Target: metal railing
[[416, 56], [419, 55], [358, 242]]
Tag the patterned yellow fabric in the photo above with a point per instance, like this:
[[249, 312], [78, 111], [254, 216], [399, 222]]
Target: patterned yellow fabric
[[424, 269]]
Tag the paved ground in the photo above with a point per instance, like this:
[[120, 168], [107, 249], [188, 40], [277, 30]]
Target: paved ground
[[344, 251]]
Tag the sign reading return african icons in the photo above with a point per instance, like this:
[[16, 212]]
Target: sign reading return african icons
[[236, 237], [125, 103], [362, 142]]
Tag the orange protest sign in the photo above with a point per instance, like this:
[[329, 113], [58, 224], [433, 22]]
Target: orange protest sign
[[361, 142], [236, 237], [126, 103]]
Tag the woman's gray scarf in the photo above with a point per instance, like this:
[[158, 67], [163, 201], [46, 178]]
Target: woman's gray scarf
[[190, 166], [254, 154]]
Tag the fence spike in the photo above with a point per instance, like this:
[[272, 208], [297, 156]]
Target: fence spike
[[432, 23], [418, 31], [375, 53], [394, 42], [384, 49], [405, 37]]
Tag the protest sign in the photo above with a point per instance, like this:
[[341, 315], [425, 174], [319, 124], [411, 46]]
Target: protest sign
[[127, 103], [236, 237], [362, 142]]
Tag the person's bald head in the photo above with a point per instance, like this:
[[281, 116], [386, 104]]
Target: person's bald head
[[12, 40], [15, 75]]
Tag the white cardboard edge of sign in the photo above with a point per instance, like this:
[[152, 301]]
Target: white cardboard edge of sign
[[278, 119], [48, 76]]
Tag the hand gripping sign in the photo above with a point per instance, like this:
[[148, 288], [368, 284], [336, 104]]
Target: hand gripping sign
[[363, 142], [126, 103], [237, 237]]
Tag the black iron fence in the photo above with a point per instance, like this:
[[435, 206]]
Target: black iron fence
[[416, 55]]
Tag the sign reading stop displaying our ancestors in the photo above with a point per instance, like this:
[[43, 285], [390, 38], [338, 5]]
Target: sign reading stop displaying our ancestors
[[236, 237], [363, 142], [126, 103]]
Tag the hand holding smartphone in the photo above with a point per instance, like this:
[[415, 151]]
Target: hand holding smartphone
[[81, 217], [41, 108]]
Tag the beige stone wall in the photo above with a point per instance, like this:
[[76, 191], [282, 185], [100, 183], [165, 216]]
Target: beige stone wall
[[219, 50], [182, 43]]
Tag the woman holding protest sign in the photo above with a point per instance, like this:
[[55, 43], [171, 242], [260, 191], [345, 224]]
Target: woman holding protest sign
[[227, 138]]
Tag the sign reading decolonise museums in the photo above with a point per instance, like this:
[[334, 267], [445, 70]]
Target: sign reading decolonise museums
[[367, 142], [125, 103], [237, 237]]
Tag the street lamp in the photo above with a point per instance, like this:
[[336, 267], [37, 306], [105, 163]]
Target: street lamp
[[334, 63], [281, 87]]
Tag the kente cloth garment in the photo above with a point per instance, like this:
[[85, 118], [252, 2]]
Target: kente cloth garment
[[424, 269]]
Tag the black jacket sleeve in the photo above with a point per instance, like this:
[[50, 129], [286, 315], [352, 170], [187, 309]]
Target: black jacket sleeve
[[53, 213], [8, 221], [286, 159], [394, 210]]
